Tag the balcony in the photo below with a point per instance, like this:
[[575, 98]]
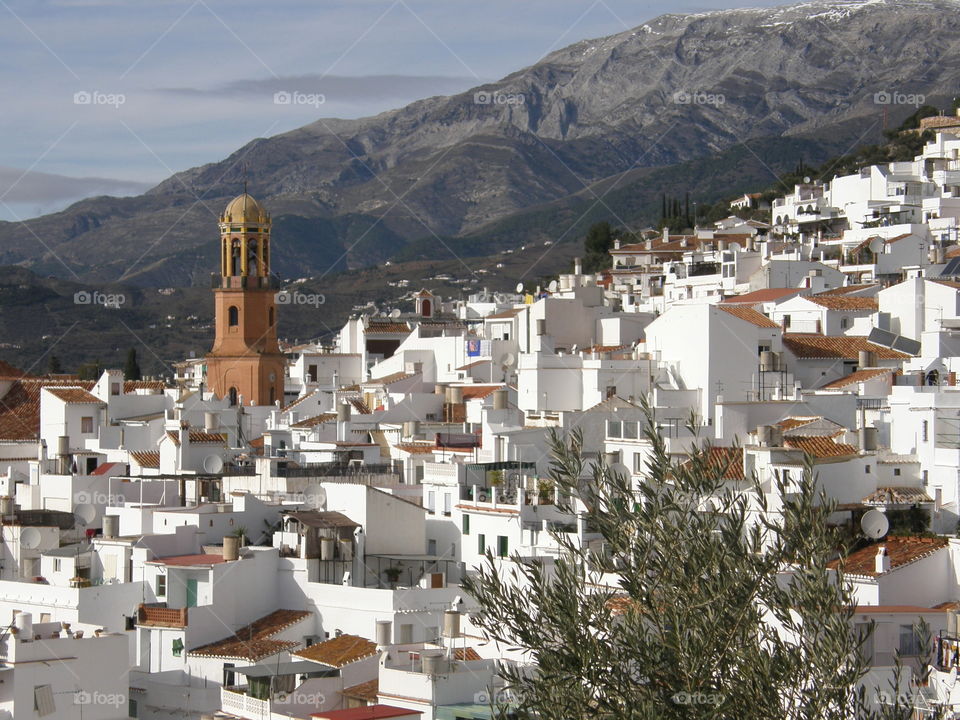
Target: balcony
[[236, 701], [159, 615]]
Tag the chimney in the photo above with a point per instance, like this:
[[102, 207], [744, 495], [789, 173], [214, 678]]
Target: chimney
[[577, 266], [616, 243], [882, 560]]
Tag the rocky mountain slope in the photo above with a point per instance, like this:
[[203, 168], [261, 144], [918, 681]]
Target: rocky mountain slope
[[349, 193]]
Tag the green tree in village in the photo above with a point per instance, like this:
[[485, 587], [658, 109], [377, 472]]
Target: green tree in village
[[131, 370], [53, 365], [597, 246], [686, 635]]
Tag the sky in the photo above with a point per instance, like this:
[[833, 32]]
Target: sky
[[113, 96]]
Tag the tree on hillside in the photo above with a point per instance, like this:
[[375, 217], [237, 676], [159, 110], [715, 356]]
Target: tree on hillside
[[53, 365], [131, 370], [688, 632], [597, 246], [90, 371]]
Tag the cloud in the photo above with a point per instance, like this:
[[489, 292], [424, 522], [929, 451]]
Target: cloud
[[46, 188], [339, 88]]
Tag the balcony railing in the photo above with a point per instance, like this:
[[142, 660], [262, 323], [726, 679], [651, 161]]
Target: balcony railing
[[235, 701]]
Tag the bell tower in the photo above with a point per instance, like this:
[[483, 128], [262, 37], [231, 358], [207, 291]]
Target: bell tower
[[245, 360]]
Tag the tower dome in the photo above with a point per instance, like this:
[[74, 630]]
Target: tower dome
[[244, 209]]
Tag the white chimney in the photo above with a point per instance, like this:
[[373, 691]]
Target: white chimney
[[577, 266], [882, 560]]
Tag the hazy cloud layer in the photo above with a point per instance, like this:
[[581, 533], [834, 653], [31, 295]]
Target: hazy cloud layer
[[46, 188]]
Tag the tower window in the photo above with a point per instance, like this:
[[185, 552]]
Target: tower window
[[271, 317], [233, 316], [233, 396]]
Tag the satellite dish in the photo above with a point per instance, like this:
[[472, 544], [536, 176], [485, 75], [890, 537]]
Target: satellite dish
[[395, 313], [519, 287], [85, 513], [30, 538], [315, 496], [212, 464], [874, 524], [553, 286], [508, 360], [876, 244]]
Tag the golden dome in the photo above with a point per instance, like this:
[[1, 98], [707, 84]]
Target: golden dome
[[245, 209]]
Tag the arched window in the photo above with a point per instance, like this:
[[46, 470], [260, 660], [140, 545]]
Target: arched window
[[273, 395], [425, 308], [233, 316], [233, 396], [271, 317], [235, 266]]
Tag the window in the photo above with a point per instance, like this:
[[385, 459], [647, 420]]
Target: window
[[896, 472], [786, 321], [909, 641], [503, 546], [844, 323], [631, 429], [233, 316], [86, 424], [611, 391], [866, 469], [43, 700], [638, 463], [271, 317], [177, 647], [614, 429], [406, 633], [924, 430], [432, 501], [132, 709], [447, 504], [115, 388], [481, 543], [312, 373], [161, 586], [57, 565], [233, 396], [465, 525]]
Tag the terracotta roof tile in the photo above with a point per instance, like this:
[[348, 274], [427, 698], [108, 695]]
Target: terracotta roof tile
[[300, 400], [892, 495], [505, 315], [254, 641], [830, 347], [130, 386], [417, 448], [820, 447], [794, 422], [339, 651], [388, 328], [749, 315], [75, 395], [479, 392], [730, 459], [315, 420], [390, 379], [20, 407], [364, 691], [902, 550], [9, 371], [857, 377], [846, 290], [198, 436], [761, 296], [846, 302], [146, 458]]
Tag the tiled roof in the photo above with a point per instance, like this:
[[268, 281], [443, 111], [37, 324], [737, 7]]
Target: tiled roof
[[749, 315], [9, 371], [505, 315], [388, 328], [794, 422], [891, 495], [370, 712], [146, 458], [901, 550], [477, 363], [198, 436], [479, 392], [949, 283], [300, 400], [857, 377], [760, 296], [315, 420], [466, 654], [201, 560], [417, 448], [360, 406], [326, 519], [74, 395], [830, 347], [364, 691], [820, 447], [846, 302], [339, 651], [130, 386], [729, 458], [846, 290], [254, 641], [20, 407], [952, 252], [104, 468], [390, 379]]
